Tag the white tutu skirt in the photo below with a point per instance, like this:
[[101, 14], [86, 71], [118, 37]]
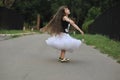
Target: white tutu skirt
[[63, 42]]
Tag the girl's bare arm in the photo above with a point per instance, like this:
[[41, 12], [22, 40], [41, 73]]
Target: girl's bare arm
[[73, 24]]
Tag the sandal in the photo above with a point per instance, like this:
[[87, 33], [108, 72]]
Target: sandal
[[64, 59]]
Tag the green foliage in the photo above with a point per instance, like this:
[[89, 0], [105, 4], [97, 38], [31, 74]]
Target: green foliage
[[46, 8], [1, 3], [55, 4], [30, 9], [86, 25], [93, 12], [10, 31], [6, 3]]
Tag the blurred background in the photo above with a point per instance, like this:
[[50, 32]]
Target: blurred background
[[92, 16]]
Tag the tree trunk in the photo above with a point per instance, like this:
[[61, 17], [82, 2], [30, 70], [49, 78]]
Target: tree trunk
[[38, 21]]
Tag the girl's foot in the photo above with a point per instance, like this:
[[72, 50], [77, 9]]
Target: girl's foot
[[63, 59]]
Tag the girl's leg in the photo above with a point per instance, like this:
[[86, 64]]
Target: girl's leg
[[62, 55]]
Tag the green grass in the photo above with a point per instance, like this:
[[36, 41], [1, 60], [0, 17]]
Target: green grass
[[103, 43], [17, 33]]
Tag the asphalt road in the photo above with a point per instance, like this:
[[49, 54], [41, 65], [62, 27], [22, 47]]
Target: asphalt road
[[29, 58], [4, 38]]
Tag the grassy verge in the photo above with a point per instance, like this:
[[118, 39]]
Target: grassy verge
[[17, 33], [12, 31], [104, 44]]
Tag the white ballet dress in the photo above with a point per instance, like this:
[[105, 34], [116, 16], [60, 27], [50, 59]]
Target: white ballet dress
[[63, 41]]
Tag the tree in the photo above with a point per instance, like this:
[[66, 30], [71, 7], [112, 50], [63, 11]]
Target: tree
[[46, 8], [8, 3], [30, 9]]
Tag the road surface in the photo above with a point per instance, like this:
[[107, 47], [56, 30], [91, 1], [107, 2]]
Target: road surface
[[29, 58]]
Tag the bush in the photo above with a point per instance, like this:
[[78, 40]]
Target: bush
[[93, 12], [86, 25]]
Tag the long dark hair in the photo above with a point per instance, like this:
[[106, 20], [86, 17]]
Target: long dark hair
[[55, 24]]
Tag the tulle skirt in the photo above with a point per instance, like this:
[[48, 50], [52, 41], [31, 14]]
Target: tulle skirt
[[63, 42]]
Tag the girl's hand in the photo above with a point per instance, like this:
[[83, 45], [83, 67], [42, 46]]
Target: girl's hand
[[82, 32], [43, 29]]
